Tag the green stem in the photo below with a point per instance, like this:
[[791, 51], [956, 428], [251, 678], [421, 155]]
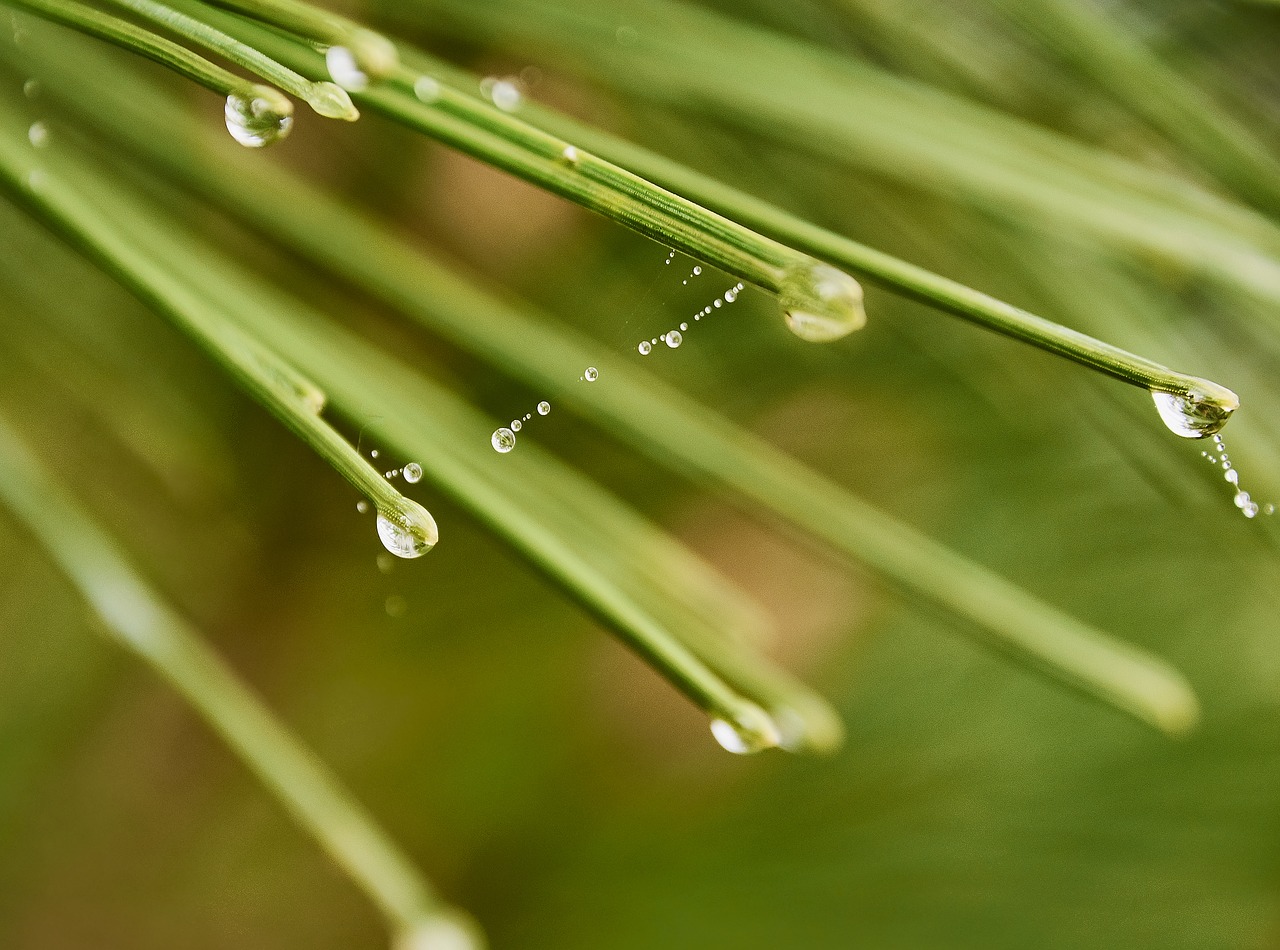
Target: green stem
[[292, 398], [143, 623], [325, 98], [137, 40]]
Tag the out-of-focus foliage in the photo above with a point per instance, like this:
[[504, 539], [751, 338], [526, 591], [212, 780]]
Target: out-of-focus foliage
[[548, 781]]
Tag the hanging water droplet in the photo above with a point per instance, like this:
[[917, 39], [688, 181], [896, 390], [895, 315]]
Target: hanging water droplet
[[413, 473], [645, 347], [1197, 414], [570, 155], [344, 70], [258, 118], [750, 731], [408, 531], [38, 135], [362, 506], [544, 407], [821, 303], [31, 88], [673, 338], [516, 425], [503, 440], [426, 89], [591, 374]]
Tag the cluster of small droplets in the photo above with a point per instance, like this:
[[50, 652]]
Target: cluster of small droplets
[[412, 472], [673, 338], [697, 272], [1218, 457], [506, 93], [504, 438]]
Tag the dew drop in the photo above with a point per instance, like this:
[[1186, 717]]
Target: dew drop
[[673, 338], [591, 374], [31, 88], [413, 473], [1268, 509], [684, 326], [408, 532], [821, 303], [503, 440], [256, 120], [362, 506], [426, 89], [373, 454], [544, 407], [505, 94], [1232, 476], [750, 731], [1198, 414], [645, 347], [344, 70], [1250, 510], [1242, 499], [571, 156], [38, 135], [697, 271], [516, 425]]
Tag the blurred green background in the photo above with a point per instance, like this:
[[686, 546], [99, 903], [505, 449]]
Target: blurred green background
[[545, 778]]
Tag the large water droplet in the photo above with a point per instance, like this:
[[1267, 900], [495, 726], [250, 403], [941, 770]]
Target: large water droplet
[[673, 338], [821, 303], [516, 425], [427, 89], [257, 119], [751, 730], [591, 374], [1197, 414], [570, 155], [344, 70], [504, 440], [362, 506], [38, 135], [503, 93], [544, 407], [413, 473], [645, 347], [408, 532]]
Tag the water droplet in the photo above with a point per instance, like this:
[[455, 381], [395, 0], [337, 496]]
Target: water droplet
[[730, 295], [544, 407], [821, 303], [426, 89], [38, 135], [1198, 414], [570, 155], [413, 473], [263, 116], [750, 731], [505, 94], [591, 374], [504, 440], [1268, 509], [1241, 499], [684, 326], [396, 606], [673, 338], [645, 347], [697, 271], [516, 425], [31, 88], [409, 531], [1232, 476], [362, 506], [1250, 510], [373, 454], [344, 70], [36, 179]]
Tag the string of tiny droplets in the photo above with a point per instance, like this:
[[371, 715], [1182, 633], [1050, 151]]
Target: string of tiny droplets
[[1248, 507]]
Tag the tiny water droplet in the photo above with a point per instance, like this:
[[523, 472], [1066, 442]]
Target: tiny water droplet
[[31, 88], [396, 606], [38, 135], [544, 407], [263, 116], [344, 70], [750, 731], [684, 326], [409, 531], [1268, 509], [373, 454], [413, 473], [1198, 414], [516, 425], [362, 506], [426, 89], [645, 347], [571, 156], [673, 338], [821, 303], [503, 440], [591, 374], [505, 94]]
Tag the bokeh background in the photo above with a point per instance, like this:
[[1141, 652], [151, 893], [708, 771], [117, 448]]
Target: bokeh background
[[542, 775]]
